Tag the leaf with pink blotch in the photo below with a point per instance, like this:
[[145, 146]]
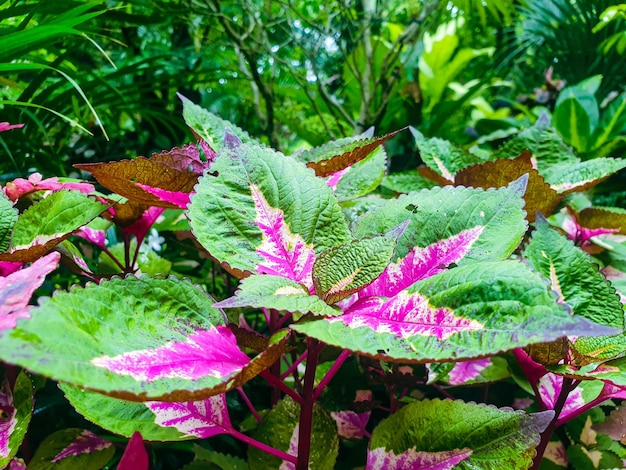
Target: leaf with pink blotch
[[201, 419], [381, 459], [350, 424], [405, 315], [285, 254], [421, 263], [85, 443], [17, 288], [16, 409], [135, 456]]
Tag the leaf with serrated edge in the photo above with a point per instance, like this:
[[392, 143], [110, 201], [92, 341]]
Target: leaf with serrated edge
[[266, 291], [344, 270], [17, 288], [380, 459], [583, 287], [286, 254], [361, 178], [223, 213], [337, 158], [511, 303], [498, 438], [568, 178], [440, 213], [8, 217], [201, 419], [148, 322], [48, 222], [539, 196], [421, 263]]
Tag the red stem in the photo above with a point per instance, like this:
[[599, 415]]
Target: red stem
[[264, 447], [294, 366], [249, 404], [306, 408], [566, 389], [280, 385], [331, 373]]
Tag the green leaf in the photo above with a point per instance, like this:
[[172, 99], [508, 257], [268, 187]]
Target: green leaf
[[223, 213], [224, 461], [267, 291], [470, 311], [50, 221], [440, 213], [578, 282], [362, 177], [55, 443], [210, 127], [279, 430], [569, 177], [134, 338], [576, 117], [405, 182], [346, 269], [498, 438], [8, 217], [120, 416]]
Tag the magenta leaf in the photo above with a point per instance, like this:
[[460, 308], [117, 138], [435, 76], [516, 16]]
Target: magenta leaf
[[86, 443], [350, 424], [205, 353], [135, 456], [20, 186], [201, 419], [176, 198], [404, 316], [286, 254], [7, 420], [9, 267], [17, 464], [141, 227], [17, 288], [421, 263], [381, 459], [466, 371]]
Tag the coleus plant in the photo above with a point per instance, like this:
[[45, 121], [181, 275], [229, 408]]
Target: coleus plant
[[367, 312]]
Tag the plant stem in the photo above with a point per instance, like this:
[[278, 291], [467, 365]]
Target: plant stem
[[566, 388], [249, 404], [294, 366], [280, 385], [331, 373], [308, 401], [264, 447]]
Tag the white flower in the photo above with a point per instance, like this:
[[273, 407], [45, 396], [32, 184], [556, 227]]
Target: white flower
[[154, 240]]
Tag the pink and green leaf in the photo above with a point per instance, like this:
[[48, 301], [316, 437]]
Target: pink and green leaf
[[48, 222], [201, 419], [285, 254], [157, 343], [346, 269], [16, 410], [380, 459], [440, 213], [135, 456], [17, 288], [229, 218], [421, 263], [350, 424], [495, 438], [71, 449], [568, 178], [361, 178], [275, 292], [486, 308], [85, 443]]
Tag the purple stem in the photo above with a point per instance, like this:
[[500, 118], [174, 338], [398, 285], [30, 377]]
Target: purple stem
[[249, 404], [566, 389], [112, 256], [286, 317], [331, 373], [126, 239], [274, 368], [264, 447], [280, 385], [294, 366], [308, 401]]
